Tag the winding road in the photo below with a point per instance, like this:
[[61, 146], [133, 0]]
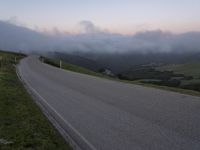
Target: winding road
[[101, 114]]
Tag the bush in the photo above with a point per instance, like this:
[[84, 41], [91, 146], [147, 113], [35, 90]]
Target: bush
[[193, 86], [188, 78], [122, 77], [170, 83], [101, 70]]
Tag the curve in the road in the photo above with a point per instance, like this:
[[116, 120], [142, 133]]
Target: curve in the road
[[109, 115]]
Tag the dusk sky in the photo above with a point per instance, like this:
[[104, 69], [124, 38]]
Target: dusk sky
[[120, 16]]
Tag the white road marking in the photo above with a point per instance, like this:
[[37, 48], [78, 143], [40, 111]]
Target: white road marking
[[65, 121]]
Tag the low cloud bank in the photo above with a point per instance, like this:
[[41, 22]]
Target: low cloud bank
[[94, 39]]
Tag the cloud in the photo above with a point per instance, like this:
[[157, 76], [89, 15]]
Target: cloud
[[89, 27], [15, 21], [95, 39]]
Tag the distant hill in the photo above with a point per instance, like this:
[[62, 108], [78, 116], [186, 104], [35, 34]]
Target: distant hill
[[189, 69], [126, 61], [180, 70], [117, 53]]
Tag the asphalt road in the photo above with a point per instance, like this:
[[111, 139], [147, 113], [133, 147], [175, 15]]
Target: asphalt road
[[106, 115]]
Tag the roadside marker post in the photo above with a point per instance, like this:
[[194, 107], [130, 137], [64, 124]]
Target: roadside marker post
[[60, 64]]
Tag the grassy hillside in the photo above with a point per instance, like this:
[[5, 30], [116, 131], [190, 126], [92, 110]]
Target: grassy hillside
[[82, 61], [71, 67], [189, 69], [7, 58], [143, 82], [22, 124]]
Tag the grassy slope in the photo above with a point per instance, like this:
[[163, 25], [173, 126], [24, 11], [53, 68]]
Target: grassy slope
[[21, 121], [189, 69], [74, 68], [89, 72]]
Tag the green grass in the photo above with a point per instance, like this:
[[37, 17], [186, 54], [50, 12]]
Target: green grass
[[72, 67], [194, 81], [188, 69], [76, 68], [21, 121]]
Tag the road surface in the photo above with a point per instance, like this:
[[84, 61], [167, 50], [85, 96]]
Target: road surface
[[101, 114]]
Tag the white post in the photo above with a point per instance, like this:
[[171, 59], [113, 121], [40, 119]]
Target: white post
[[61, 64]]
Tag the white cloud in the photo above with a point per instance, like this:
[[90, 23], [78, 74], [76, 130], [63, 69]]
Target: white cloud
[[96, 40]]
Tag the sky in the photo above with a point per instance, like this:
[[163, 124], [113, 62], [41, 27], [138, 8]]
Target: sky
[[118, 16]]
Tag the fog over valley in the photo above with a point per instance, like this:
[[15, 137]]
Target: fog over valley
[[96, 40], [100, 74]]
